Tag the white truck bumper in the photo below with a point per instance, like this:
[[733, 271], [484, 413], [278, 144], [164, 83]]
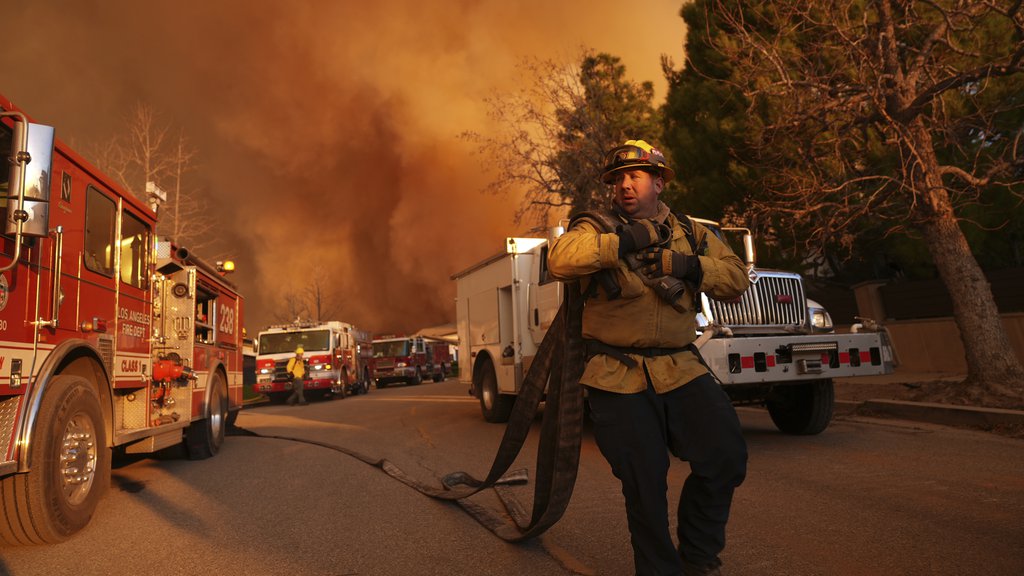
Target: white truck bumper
[[767, 359]]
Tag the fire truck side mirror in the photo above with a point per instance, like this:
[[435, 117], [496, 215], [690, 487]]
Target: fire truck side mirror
[[31, 161]]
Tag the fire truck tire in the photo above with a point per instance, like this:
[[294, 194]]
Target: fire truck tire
[[495, 407], [70, 468], [203, 438], [802, 409], [417, 378]]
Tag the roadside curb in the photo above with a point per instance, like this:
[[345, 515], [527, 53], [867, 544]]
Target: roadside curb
[[932, 413]]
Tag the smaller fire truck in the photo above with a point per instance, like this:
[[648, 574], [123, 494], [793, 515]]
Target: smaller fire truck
[[409, 359], [337, 356], [773, 346], [109, 338]]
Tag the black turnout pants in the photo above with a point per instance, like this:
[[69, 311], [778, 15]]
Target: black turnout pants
[[636, 432]]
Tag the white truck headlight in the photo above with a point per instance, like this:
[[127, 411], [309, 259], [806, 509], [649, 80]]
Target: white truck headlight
[[818, 318], [821, 321]]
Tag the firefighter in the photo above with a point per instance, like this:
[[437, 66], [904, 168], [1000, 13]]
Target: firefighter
[[297, 368], [649, 393]]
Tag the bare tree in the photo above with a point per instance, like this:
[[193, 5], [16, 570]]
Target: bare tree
[[185, 217], [554, 131], [322, 300], [146, 153], [898, 111], [316, 302], [294, 308]]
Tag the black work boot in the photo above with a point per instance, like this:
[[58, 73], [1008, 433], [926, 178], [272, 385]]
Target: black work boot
[[710, 569]]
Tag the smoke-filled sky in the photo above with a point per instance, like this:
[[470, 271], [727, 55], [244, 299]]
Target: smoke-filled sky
[[327, 129]]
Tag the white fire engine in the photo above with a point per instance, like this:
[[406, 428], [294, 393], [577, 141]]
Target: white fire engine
[[409, 359], [337, 357], [772, 346], [108, 338]]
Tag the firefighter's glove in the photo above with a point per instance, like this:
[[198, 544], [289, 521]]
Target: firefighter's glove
[[641, 234], [656, 262]]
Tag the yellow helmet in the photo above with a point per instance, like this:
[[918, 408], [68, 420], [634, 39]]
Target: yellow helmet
[[299, 350], [632, 155]]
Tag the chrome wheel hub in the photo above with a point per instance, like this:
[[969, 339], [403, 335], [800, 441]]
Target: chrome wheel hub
[[78, 455]]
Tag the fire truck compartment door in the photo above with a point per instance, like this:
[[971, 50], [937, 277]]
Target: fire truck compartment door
[[544, 301], [485, 312]]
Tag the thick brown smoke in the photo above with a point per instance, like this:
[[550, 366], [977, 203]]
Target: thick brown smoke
[[327, 129]]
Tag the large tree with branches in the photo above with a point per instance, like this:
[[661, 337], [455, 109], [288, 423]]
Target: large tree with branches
[[556, 129], [901, 113]]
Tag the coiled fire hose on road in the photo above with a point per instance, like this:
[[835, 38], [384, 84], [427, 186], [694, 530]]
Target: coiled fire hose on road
[[557, 366]]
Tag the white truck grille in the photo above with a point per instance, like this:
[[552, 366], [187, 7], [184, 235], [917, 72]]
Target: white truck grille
[[776, 299]]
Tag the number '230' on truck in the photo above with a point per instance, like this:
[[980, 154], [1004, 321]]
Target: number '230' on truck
[[773, 346]]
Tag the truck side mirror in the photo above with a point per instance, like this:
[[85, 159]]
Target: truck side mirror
[[748, 249], [28, 197], [749, 255]]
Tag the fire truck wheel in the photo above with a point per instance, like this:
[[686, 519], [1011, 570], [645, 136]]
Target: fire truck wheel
[[802, 409], [496, 407], [70, 468], [203, 438], [417, 378]]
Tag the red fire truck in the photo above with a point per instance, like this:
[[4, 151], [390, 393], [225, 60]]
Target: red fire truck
[[108, 338], [409, 359], [337, 355]]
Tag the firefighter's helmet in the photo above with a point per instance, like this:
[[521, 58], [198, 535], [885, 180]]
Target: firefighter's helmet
[[299, 350], [632, 155]]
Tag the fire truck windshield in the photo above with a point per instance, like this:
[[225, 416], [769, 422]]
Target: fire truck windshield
[[310, 340], [391, 348]]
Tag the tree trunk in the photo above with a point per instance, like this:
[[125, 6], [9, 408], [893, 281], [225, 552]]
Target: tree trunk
[[992, 366]]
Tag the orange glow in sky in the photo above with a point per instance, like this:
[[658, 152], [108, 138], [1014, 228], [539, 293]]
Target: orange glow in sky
[[327, 130]]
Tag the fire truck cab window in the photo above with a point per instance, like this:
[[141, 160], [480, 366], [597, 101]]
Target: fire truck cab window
[[99, 232], [392, 348], [286, 342], [134, 241], [206, 310]]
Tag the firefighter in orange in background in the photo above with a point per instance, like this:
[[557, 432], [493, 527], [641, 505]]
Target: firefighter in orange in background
[[297, 368]]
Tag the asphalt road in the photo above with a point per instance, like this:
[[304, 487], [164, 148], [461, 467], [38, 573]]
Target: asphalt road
[[866, 497]]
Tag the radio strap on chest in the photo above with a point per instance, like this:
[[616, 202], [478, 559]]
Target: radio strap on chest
[[667, 288]]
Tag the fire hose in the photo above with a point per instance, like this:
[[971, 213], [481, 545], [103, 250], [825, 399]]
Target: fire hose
[[557, 366]]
